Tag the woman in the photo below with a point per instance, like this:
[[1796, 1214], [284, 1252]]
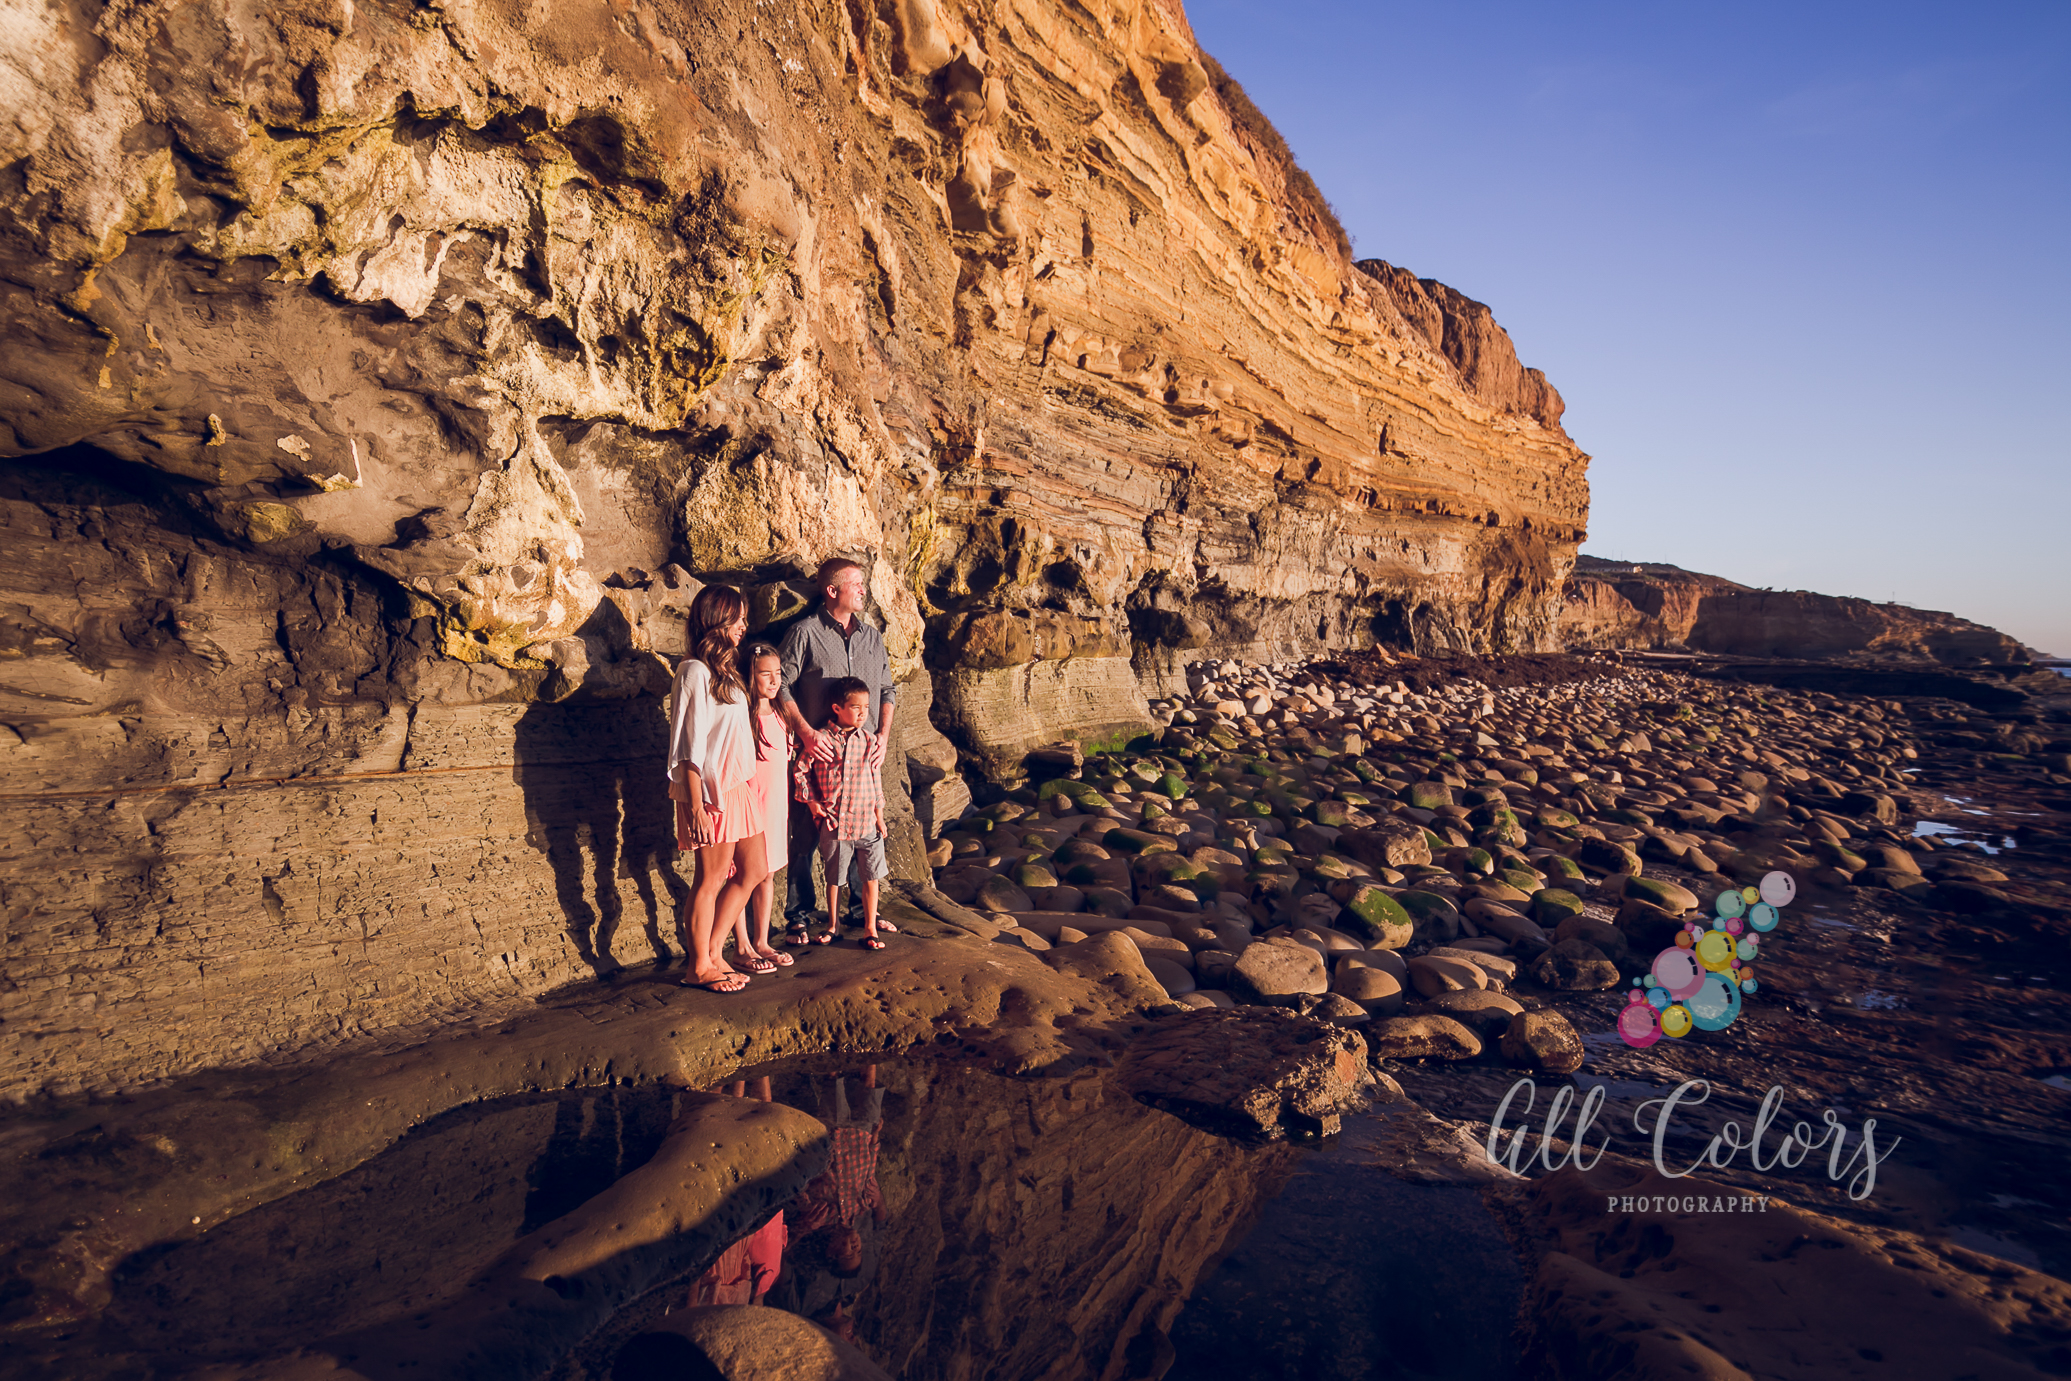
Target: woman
[[719, 811]]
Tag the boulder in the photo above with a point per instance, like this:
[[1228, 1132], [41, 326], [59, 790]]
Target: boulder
[[1607, 856], [1248, 1070], [1865, 805], [1434, 918], [1376, 990], [1278, 974], [1387, 960], [1390, 842], [998, 894], [1376, 919], [1113, 961], [1433, 976], [1646, 927], [1430, 1036], [1543, 1041], [1505, 924], [1487, 1014], [1606, 938], [1572, 966], [1552, 905]]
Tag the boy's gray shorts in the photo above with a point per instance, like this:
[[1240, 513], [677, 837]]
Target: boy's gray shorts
[[837, 854]]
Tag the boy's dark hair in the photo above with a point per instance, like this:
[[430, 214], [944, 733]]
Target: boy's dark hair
[[842, 687]]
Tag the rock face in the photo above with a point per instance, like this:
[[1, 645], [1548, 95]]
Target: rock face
[[383, 379], [1615, 604]]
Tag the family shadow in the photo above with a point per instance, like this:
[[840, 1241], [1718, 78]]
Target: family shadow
[[597, 805]]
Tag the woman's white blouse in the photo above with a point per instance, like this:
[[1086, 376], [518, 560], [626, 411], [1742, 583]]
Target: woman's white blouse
[[711, 738]]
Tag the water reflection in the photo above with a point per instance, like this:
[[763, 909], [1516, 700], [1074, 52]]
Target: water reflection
[[965, 1224]]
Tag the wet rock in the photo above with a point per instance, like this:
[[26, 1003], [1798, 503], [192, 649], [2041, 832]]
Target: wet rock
[[1435, 919], [1552, 905], [1375, 990], [1608, 856], [1543, 1041], [1486, 1014], [1278, 974], [998, 894], [1603, 937], [1248, 1070], [1422, 1037], [1111, 960], [1378, 920], [1505, 924], [1390, 842], [1340, 1009], [1865, 805], [1433, 976], [1496, 966], [1175, 980], [1386, 960], [1572, 966], [1668, 896]]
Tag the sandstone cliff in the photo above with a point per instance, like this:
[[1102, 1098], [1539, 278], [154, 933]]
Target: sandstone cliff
[[1619, 604], [385, 376]]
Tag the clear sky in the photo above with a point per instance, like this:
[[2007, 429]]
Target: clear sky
[[1801, 271]]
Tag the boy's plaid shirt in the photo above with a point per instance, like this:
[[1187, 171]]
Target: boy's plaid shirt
[[849, 787]]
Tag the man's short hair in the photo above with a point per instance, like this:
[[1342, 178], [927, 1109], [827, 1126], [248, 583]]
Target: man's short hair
[[842, 687], [831, 570]]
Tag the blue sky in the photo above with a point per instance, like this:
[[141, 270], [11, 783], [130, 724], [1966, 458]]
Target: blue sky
[[1800, 271]]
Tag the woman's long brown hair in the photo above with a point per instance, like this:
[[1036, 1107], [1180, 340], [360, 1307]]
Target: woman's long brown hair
[[715, 607]]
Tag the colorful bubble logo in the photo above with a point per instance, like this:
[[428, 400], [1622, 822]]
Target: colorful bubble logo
[[1701, 982], [1639, 1026]]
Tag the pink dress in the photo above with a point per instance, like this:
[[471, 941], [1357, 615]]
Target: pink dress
[[773, 775]]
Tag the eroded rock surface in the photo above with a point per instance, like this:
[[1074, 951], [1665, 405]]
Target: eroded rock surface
[[377, 371]]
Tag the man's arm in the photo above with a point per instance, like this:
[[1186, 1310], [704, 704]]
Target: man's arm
[[887, 702]]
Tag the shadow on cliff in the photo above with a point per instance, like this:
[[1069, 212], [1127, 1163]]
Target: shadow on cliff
[[597, 805]]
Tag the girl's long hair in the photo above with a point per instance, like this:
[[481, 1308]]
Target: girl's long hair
[[755, 653], [715, 607]]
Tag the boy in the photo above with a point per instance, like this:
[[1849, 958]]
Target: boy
[[845, 795]]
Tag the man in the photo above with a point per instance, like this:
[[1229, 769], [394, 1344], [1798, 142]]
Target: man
[[821, 648]]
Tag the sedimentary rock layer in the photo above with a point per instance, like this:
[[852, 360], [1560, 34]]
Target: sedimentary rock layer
[[1617, 604], [376, 364]]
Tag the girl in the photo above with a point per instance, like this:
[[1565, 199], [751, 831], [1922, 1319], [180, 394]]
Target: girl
[[773, 775], [719, 805]]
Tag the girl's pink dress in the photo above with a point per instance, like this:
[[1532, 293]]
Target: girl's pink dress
[[773, 776]]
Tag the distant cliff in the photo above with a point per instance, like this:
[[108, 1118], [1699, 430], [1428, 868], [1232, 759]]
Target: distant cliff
[[1616, 604]]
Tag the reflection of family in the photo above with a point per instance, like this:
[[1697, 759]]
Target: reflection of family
[[813, 1247], [735, 725]]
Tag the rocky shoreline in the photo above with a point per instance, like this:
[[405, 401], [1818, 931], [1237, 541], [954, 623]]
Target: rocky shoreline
[[1320, 886], [1425, 845]]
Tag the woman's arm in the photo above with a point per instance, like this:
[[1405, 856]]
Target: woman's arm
[[701, 830]]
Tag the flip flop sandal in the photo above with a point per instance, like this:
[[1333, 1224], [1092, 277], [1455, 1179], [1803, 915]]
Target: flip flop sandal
[[755, 963], [780, 959], [732, 983], [872, 942], [825, 937], [796, 935]]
